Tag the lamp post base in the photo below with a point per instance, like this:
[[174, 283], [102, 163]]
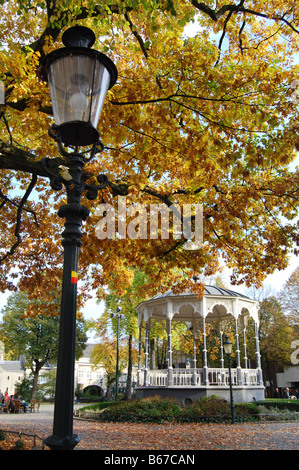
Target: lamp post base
[[62, 443]]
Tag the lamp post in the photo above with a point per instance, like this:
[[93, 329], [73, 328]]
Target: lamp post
[[79, 78], [227, 346], [118, 316]]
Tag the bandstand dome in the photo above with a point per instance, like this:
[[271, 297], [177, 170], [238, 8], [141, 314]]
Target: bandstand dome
[[217, 305]]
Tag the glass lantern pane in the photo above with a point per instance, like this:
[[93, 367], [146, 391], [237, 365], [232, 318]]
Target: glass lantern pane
[[70, 83], [78, 86], [101, 85]]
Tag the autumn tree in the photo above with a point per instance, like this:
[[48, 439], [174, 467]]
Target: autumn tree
[[209, 119], [128, 326], [289, 296], [33, 337], [276, 336], [104, 353]]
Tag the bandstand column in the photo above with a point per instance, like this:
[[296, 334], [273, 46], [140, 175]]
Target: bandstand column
[[222, 359], [245, 376], [146, 358], [258, 356], [194, 374], [239, 370], [205, 353], [170, 369], [139, 357], [244, 324], [221, 349], [245, 349]]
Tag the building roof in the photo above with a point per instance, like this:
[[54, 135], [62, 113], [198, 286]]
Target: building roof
[[185, 306], [209, 290], [12, 366]]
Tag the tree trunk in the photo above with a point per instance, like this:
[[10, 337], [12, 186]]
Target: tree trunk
[[35, 372], [130, 365]]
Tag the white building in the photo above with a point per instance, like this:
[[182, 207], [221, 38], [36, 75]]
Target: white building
[[11, 372], [288, 378], [87, 376]]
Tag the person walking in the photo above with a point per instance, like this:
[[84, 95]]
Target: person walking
[[277, 393]]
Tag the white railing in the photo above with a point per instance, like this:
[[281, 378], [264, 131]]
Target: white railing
[[186, 377], [249, 377], [182, 377], [157, 377]]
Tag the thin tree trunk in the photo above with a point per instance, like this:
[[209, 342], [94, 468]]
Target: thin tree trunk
[[130, 365], [35, 378]]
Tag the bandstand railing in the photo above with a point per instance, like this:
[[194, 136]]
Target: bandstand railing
[[195, 377]]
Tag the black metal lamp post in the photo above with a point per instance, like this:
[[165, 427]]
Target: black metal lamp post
[[227, 346], [118, 316], [79, 78]]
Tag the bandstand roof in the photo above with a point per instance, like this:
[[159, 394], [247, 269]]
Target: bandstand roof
[[209, 290], [216, 304]]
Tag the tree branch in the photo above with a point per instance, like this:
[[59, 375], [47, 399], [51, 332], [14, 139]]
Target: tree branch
[[240, 8], [216, 15], [19, 217], [14, 158], [136, 34]]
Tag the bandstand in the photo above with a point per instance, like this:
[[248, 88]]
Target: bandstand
[[217, 305]]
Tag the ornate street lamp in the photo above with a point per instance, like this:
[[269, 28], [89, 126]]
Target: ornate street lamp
[[79, 78], [227, 346]]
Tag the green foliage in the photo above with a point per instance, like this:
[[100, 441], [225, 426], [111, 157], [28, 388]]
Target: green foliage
[[246, 411], [280, 404], [87, 397], [97, 406], [46, 390], [2, 435], [34, 337], [157, 410], [19, 445], [276, 333], [208, 406], [217, 409], [151, 409], [24, 387]]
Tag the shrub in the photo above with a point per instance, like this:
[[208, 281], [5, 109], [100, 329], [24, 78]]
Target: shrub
[[246, 411], [151, 409], [211, 408], [19, 445], [158, 410], [281, 404], [212, 405]]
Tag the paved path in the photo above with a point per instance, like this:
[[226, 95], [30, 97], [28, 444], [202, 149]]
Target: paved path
[[187, 437]]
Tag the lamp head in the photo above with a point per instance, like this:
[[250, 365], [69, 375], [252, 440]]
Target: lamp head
[[227, 346], [79, 78]]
